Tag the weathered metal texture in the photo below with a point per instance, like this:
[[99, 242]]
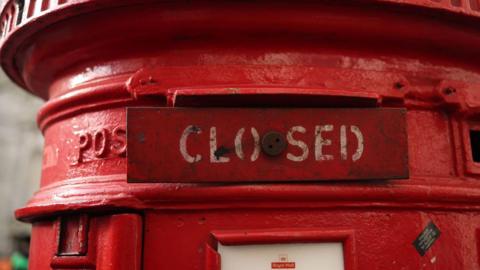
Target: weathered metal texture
[[92, 59], [224, 145]]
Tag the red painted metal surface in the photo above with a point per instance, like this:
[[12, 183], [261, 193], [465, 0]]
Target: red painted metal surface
[[114, 242], [225, 145], [91, 59]]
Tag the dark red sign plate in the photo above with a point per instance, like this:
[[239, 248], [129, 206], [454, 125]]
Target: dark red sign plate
[[225, 145]]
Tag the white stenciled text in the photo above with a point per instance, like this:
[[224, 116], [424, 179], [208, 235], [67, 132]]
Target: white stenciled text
[[321, 146]]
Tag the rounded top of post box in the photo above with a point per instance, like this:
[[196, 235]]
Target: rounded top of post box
[[20, 20]]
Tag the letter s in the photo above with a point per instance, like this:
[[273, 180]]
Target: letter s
[[298, 143]]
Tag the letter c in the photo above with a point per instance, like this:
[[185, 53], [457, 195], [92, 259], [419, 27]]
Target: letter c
[[183, 144]]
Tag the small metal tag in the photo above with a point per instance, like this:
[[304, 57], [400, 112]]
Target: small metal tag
[[426, 239]]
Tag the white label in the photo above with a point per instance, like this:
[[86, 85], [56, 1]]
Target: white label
[[311, 256]]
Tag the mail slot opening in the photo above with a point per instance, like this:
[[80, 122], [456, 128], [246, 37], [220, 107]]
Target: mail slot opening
[[271, 97], [475, 144], [305, 256]]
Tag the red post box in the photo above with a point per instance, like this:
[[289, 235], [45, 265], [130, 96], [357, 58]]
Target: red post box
[[252, 134]]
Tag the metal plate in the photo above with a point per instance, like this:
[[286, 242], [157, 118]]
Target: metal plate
[[224, 145]]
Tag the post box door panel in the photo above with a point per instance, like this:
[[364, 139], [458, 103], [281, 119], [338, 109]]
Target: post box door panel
[[270, 238]]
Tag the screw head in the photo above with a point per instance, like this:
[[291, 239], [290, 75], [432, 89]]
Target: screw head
[[449, 91], [273, 143]]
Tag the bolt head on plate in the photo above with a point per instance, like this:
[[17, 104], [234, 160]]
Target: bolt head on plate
[[273, 143]]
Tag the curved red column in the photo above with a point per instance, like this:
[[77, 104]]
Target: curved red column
[[90, 60]]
